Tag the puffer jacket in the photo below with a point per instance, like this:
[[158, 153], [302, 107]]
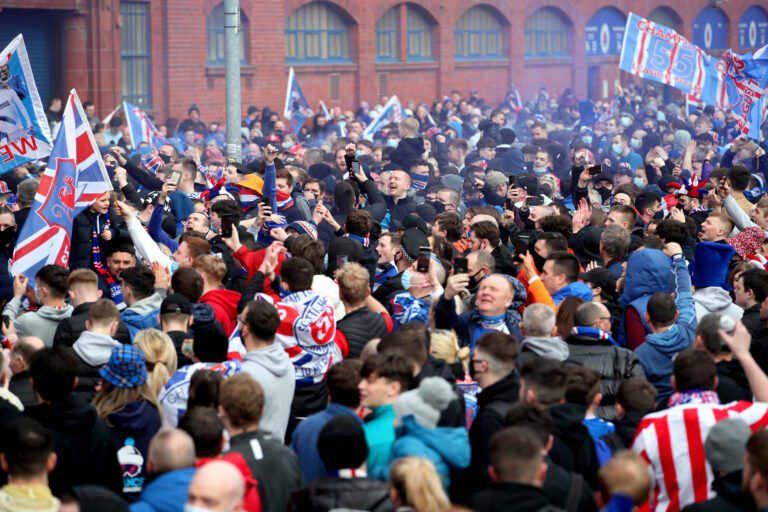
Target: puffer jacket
[[332, 493], [81, 251], [613, 363], [358, 327]]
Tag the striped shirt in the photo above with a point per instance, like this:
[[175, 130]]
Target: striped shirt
[[672, 443]]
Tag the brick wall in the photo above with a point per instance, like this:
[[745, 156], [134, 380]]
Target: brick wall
[[89, 53]]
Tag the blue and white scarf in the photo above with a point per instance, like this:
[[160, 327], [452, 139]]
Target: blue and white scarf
[[593, 332]]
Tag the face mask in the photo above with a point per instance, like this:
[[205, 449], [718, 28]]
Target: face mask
[[405, 279], [165, 158], [638, 182], [474, 282], [37, 296], [718, 123], [6, 236], [604, 192], [634, 143], [540, 170], [587, 139], [658, 215], [193, 508], [475, 126], [538, 260], [625, 122], [616, 148], [359, 153], [283, 292], [418, 181], [174, 266], [437, 205], [392, 143]]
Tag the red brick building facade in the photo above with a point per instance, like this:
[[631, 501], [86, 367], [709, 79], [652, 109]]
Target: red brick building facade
[[168, 54]]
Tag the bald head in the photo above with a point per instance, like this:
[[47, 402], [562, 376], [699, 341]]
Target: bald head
[[218, 487], [22, 351], [592, 314], [170, 450]]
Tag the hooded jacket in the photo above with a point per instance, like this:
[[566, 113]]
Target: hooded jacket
[[511, 496], [41, 323], [613, 364], [465, 324], [272, 369], [92, 351], [27, 498], [224, 303], [626, 426], [540, 346], [132, 429], [446, 447], [656, 355], [574, 289], [573, 448], [143, 314], [85, 451], [714, 299], [730, 496], [165, 493], [70, 329], [647, 273]]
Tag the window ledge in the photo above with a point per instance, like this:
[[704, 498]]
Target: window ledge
[[486, 63], [407, 65], [214, 71], [324, 67], [547, 61]]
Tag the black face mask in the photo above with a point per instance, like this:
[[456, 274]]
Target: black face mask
[[6, 237], [604, 192], [165, 158], [658, 215], [474, 283], [437, 205]]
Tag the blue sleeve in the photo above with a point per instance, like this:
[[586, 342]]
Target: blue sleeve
[[270, 186], [155, 229], [683, 296], [727, 160]]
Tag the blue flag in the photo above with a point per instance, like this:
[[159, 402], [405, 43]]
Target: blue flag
[[744, 79], [142, 128], [74, 178], [391, 113], [296, 106]]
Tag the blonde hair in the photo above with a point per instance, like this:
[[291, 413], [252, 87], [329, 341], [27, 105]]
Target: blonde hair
[[626, 473], [417, 485], [160, 355], [112, 399], [445, 346], [211, 265]]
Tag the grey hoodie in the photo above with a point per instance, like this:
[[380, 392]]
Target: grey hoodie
[[41, 323], [714, 299], [550, 348], [271, 367], [94, 348]]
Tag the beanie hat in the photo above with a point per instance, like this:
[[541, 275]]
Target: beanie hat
[[320, 171], [427, 212], [587, 112], [341, 443], [456, 126], [495, 179], [453, 181], [304, 227], [726, 444], [681, 139], [508, 135], [710, 266], [126, 367], [426, 402]]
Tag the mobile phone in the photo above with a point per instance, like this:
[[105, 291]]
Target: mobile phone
[[460, 266], [226, 226], [594, 170], [509, 204], [534, 201], [341, 260], [422, 261], [175, 178], [6, 321], [265, 201], [511, 181]]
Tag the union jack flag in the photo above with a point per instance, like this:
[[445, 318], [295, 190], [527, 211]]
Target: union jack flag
[[74, 179], [142, 128], [152, 163]]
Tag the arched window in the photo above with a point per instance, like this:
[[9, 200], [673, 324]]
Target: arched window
[[386, 35], [419, 35], [753, 28], [546, 34], [215, 31], [479, 34], [316, 32], [710, 29], [665, 16]]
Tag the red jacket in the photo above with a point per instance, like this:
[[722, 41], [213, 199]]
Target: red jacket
[[224, 304], [252, 260]]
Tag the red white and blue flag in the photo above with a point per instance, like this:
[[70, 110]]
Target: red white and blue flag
[[152, 162], [744, 79], [391, 113], [142, 128], [296, 107], [74, 179]]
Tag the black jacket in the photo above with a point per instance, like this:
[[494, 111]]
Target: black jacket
[[453, 415], [614, 364], [81, 251], [626, 426], [326, 493], [21, 386], [511, 496], [275, 466], [567, 490], [573, 448], [387, 288], [504, 263], [492, 402], [751, 320], [730, 497], [400, 210], [83, 444], [88, 378], [360, 326], [732, 382], [69, 329]]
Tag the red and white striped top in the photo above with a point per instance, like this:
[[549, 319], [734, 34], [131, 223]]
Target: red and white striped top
[[672, 443]]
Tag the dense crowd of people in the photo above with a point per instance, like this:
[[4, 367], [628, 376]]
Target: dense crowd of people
[[545, 306]]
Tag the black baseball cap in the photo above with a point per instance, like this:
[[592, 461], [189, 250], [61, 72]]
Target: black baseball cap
[[176, 303]]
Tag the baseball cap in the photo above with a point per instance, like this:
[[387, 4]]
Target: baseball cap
[[176, 303], [601, 277]]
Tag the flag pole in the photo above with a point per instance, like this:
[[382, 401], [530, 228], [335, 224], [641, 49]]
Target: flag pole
[[232, 78]]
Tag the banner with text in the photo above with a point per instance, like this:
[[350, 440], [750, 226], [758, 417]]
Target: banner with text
[[24, 131]]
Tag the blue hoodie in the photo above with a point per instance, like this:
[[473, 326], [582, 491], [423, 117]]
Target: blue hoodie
[[143, 314], [575, 289], [446, 447], [166, 493], [656, 355], [648, 272]]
